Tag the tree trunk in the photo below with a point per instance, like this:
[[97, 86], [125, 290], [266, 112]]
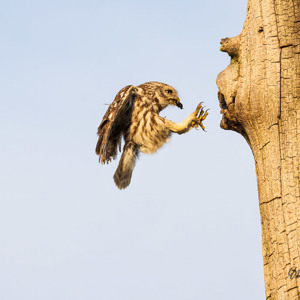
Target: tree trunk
[[259, 95]]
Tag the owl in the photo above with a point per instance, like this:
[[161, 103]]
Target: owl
[[134, 116]]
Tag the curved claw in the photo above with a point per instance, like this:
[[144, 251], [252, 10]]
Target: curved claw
[[199, 106], [200, 116]]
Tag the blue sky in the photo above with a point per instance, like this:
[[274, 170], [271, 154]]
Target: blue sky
[[188, 226]]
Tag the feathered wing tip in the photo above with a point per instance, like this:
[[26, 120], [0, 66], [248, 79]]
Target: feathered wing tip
[[122, 176], [116, 118], [108, 151]]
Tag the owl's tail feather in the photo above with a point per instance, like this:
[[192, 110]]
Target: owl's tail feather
[[122, 176]]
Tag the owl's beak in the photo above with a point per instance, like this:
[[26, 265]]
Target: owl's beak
[[176, 101]]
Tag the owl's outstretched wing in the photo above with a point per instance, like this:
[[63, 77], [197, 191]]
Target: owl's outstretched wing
[[115, 122]]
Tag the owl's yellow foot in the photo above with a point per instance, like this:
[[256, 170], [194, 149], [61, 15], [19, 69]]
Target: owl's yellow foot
[[200, 115]]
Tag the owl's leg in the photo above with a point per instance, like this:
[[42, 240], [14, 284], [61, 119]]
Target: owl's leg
[[194, 120]]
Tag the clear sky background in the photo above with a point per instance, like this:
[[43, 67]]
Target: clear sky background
[[188, 226]]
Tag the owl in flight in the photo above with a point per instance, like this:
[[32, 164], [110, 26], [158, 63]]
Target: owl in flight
[[134, 115]]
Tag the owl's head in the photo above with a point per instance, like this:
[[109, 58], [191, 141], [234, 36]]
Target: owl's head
[[162, 93]]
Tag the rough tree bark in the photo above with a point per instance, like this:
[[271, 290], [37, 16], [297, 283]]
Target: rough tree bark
[[259, 95]]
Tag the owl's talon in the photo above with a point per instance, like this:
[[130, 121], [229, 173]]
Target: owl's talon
[[200, 116]]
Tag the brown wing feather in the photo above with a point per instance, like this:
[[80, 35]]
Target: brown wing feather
[[114, 124]]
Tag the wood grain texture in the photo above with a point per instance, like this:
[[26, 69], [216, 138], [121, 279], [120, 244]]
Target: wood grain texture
[[259, 94]]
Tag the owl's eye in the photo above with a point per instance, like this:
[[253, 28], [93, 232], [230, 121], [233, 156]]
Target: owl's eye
[[169, 91]]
